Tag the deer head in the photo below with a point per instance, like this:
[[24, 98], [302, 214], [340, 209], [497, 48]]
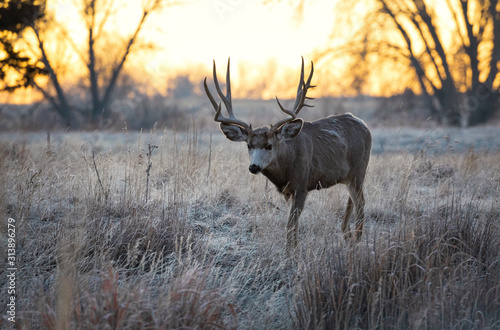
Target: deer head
[[263, 143]]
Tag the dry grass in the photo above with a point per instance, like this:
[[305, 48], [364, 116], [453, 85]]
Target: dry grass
[[198, 242]]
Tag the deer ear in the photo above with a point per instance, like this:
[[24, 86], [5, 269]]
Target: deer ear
[[233, 132], [291, 129]]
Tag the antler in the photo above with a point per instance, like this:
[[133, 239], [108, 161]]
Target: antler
[[227, 101], [300, 99]]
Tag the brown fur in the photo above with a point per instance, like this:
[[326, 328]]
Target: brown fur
[[328, 151]]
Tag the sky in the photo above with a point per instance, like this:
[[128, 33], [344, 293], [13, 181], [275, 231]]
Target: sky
[[193, 33], [249, 31], [265, 40]]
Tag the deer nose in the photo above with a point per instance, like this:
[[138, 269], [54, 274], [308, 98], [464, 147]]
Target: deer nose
[[254, 169]]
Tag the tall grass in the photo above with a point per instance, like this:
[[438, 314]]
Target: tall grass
[[439, 271], [169, 230]]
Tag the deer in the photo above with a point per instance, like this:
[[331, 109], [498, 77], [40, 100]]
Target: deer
[[298, 156]]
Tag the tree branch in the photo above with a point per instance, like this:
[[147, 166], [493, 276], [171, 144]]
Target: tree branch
[[63, 105], [422, 77], [457, 22], [435, 38], [117, 69], [495, 54]]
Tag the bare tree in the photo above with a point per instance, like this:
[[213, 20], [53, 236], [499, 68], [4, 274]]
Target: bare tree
[[480, 41], [101, 90], [102, 79], [58, 101], [460, 79], [444, 71]]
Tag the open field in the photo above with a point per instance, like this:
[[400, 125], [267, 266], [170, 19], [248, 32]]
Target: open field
[[197, 241]]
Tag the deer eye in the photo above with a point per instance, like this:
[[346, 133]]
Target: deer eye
[[269, 147], [249, 146]]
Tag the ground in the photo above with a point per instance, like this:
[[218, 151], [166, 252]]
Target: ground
[[111, 231]]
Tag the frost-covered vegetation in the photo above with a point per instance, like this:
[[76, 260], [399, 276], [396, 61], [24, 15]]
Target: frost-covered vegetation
[[169, 230]]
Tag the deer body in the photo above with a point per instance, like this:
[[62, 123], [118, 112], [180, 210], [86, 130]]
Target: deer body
[[298, 157], [331, 150]]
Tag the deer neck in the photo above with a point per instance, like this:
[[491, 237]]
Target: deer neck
[[279, 171]]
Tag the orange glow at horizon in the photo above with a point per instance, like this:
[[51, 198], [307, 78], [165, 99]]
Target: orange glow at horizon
[[187, 37], [265, 44]]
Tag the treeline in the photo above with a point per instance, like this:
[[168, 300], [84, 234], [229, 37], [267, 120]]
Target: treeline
[[458, 76]]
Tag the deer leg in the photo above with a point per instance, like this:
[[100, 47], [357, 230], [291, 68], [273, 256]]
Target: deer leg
[[360, 214], [356, 193], [298, 201], [347, 216]]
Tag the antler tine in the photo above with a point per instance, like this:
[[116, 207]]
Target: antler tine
[[230, 120], [207, 91], [303, 88], [300, 95], [300, 98], [228, 88], [227, 102], [225, 98], [308, 84], [288, 112]]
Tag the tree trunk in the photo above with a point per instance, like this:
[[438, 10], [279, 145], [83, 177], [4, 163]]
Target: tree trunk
[[95, 111], [59, 102], [449, 100], [480, 105]]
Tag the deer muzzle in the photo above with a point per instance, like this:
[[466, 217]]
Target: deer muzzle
[[254, 169]]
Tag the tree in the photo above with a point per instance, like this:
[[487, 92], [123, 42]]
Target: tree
[[101, 90], [103, 65], [482, 29], [15, 17], [181, 87], [461, 76], [18, 16]]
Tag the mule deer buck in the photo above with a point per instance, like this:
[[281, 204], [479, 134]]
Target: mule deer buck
[[300, 156]]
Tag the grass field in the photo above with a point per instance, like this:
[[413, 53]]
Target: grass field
[[169, 230]]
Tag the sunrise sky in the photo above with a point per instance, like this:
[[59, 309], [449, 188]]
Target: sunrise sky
[[193, 33], [244, 30], [264, 38]]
